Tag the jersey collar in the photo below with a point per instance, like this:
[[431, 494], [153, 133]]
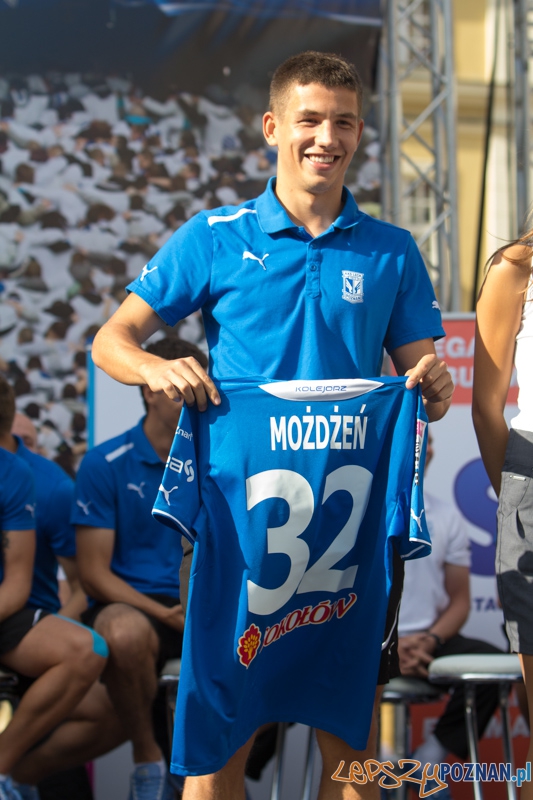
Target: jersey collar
[[143, 449], [273, 217]]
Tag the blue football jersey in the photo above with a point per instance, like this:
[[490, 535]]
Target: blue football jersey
[[293, 492]]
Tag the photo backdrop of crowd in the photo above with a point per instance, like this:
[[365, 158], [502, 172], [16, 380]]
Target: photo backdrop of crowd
[[118, 122]]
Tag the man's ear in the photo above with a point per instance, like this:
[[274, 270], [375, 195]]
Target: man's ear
[[361, 125], [147, 394], [269, 128]]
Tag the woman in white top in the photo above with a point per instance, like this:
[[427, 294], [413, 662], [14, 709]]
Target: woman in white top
[[504, 338]]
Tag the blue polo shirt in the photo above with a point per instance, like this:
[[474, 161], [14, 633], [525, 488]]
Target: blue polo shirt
[[17, 496], [116, 487], [55, 533], [281, 304]]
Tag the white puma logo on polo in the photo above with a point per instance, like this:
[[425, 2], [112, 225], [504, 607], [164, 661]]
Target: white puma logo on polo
[[84, 506], [418, 520], [167, 492], [251, 256], [138, 489], [30, 508], [146, 272]]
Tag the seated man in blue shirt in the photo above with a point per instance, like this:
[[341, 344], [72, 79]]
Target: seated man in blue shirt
[[62, 659], [55, 544], [129, 566]]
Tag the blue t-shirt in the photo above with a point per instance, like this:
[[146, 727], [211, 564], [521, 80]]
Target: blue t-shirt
[[17, 496], [116, 486], [294, 493], [55, 534], [281, 304]]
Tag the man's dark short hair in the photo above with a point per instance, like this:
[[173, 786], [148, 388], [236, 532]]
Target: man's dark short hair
[[172, 348], [327, 69]]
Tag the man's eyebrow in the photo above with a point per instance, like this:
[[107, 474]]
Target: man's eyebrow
[[345, 114]]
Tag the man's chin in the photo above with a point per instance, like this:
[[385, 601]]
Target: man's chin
[[321, 187]]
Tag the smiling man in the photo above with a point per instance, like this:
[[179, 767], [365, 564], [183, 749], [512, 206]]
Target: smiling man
[[296, 284]]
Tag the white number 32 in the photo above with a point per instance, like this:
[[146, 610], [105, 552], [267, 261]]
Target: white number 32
[[296, 491]]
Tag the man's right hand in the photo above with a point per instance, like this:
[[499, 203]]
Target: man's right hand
[[173, 617], [183, 379], [413, 655], [117, 349]]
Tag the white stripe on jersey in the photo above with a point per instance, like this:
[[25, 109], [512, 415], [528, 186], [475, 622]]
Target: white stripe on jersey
[[119, 451], [329, 389], [231, 217]]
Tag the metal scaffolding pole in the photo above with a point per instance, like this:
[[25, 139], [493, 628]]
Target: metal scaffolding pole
[[419, 143], [523, 69]]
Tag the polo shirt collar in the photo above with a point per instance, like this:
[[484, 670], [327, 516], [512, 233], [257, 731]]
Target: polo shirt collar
[[271, 214], [350, 214], [143, 448], [21, 447], [273, 217]]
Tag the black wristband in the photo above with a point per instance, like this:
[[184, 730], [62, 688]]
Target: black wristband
[[437, 638]]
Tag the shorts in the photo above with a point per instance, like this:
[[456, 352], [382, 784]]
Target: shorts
[[514, 549], [170, 640], [14, 628], [389, 665]]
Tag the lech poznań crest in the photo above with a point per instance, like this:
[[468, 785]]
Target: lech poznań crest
[[352, 286]]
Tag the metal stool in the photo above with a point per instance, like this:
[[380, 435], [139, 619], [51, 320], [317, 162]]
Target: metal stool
[[470, 670], [278, 763], [7, 681], [401, 693], [169, 677]]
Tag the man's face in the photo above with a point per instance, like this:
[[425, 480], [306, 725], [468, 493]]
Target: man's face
[[317, 130], [166, 410], [24, 427]]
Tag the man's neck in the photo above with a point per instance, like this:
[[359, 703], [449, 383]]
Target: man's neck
[[159, 436], [8, 442], [314, 212]]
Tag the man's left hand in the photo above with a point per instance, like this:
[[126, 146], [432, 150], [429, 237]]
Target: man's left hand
[[433, 376], [429, 371]]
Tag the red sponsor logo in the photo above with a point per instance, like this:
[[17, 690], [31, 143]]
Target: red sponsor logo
[[249, 645]]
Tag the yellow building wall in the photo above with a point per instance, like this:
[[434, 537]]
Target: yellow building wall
[[469, 33]]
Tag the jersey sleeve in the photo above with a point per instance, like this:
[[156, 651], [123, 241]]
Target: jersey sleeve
[[178, 500], [417, 541], [94, 497], [17, 498], [59, 529], [175, 282], [416, 313]]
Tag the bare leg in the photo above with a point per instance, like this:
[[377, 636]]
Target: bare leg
[[526, 792], [91, 730], [61, 656], [334, 750], [226, 784], [130, 674]]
